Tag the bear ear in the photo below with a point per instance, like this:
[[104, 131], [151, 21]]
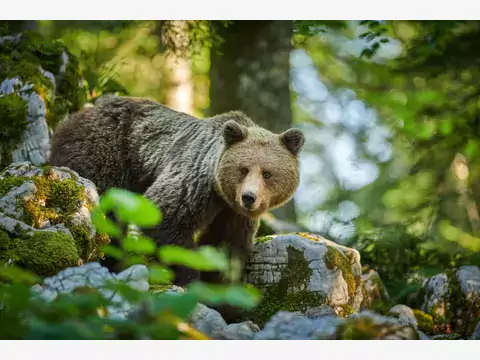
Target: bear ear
[[293, 139], [233, 132]]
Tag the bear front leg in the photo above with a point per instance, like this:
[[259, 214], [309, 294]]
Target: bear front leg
[[233, 232]]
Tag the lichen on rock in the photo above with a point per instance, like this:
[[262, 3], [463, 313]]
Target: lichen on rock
[[453, 300], [40, 83], [300, 271], [45, 218]]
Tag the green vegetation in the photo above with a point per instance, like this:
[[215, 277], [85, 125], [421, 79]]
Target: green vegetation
[[83, 314]]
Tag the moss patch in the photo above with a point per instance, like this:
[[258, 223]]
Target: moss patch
[[291, 293], [55, 200], [425, 321], [13, 122], [365, 328], [25, 59], [8, 182], [46, 253], [334, 259], [263, 239]]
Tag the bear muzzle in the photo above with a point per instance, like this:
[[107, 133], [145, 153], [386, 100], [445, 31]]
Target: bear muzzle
[[248, 199]]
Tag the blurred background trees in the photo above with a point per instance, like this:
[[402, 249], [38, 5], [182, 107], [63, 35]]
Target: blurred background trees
[[390, 110]]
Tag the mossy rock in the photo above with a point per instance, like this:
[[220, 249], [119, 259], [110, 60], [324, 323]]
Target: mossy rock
[[371, 326], [454, 307], [300, 271], [45, 221], [39, 81]]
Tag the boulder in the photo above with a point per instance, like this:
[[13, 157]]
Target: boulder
[[45, 218], [300, 271], [364, 326], [39, 84], [375, 295], [453, 300], [94, 276]]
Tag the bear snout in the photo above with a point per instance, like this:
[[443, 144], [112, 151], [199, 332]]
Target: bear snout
[[248, 199]]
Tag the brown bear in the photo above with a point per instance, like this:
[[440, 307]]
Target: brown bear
[[212, 177]]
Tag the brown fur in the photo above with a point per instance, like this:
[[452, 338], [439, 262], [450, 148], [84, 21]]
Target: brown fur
[[195, 170]]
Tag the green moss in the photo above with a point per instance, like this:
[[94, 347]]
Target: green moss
[[13, 122], [364, 328], [346, 310], [46, 253], [8, 182], [291, 293], [263, 239], [4, 241], [264, 229], [425, 321], [55, 200], [334, 259], [26, 58]]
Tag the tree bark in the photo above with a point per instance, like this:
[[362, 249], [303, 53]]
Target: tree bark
[[178, 85], [252, 74]]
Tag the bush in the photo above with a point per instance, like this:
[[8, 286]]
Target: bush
[[83, 314]]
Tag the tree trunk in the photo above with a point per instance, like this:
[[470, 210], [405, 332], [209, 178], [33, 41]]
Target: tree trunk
[[178, 85], [252, 75]]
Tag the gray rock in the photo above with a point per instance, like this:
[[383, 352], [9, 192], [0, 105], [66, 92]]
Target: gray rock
[[241, 331], [369, 325], [374, 289], [476, 333], [95, 276], [436, 300], [208, 321], [272, 256], [320, 311], [12, 209], [405, 313], [290, 326], [469, 281]]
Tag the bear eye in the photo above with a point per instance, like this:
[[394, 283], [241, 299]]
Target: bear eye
[[244, 170], [267, 174]]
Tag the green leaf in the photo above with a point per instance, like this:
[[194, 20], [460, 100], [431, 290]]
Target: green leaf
[[139, 244], [160, 275], [103, 224], [131, 208], [178, 304], [17, 275], [206, 258], [113, 251], [243, 296]]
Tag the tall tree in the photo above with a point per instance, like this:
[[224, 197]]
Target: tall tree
[[251, 73], [178, 86]]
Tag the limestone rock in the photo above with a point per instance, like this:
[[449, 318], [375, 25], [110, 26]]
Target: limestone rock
[[45, 218], [364, 326], [453, 299], [93, 275], [301, 271], [405, 313], [375, 292], [34, 95]]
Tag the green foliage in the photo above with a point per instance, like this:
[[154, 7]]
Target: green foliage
[[420, 216], [83, 314]]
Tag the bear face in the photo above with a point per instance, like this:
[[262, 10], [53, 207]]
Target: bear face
[[258, 170]]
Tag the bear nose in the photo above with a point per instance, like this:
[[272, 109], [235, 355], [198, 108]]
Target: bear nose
[[248, 198]]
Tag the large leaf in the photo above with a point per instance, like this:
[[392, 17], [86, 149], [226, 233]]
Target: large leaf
[[206, 258]]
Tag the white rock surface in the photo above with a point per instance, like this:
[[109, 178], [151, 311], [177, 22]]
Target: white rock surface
[[95, 276], [271, 256]]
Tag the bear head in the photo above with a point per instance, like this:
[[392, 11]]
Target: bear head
[[258, 170]]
